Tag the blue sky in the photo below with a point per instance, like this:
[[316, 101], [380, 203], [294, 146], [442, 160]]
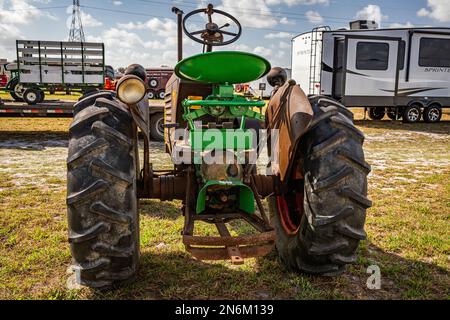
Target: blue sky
[[143, 31]]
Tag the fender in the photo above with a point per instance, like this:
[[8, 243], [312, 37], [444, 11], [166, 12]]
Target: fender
[[290, 112]]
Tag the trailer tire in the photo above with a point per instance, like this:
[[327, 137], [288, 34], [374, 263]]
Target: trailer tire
[[156, 128], [320, 220], [412, 113], [41, 96], [432, 114], [32, 96], [377, 113], [16, 90], [102, 193]]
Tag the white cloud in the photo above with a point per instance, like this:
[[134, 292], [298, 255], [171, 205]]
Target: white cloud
[[87, 19], [117, 3], [123, 47], [401, 25], [265, 52], [291, 3], [15, 14], [161, 27], [278, 35], [314, 17], [284, 45], [286, 21], [371, 12], [253, 13], [437, 9]]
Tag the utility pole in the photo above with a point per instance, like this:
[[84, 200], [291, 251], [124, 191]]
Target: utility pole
[[76, 33]]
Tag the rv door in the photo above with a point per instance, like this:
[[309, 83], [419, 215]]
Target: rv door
[[371, 73]]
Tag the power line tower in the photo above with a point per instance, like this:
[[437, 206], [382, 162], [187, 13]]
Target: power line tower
[[76, 33]]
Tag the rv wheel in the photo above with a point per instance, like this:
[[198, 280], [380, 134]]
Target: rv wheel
[[394, 114], [376, 113], [411, 114], [432, 114]]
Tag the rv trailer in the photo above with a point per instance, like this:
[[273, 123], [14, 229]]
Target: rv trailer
[[402, 72]]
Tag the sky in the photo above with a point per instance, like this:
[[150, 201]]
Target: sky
[[144, 31]]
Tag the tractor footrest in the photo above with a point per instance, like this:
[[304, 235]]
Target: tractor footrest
[[229, 247]]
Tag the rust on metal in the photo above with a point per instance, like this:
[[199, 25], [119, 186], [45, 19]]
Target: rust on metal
[[222, 253]]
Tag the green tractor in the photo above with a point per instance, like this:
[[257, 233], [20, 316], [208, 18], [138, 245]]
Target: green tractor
[[315, 186]]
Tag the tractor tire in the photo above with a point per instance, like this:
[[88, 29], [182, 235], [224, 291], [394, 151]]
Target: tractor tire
[[156, 129], [102, 192], [376, 113], [432, 114], [16, 90], [320, 220]]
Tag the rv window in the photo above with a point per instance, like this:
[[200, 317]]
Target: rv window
[[434, 52], [401, 49], [372, 56]]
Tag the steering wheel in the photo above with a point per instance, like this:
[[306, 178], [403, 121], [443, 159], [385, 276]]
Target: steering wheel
[[212, 35]]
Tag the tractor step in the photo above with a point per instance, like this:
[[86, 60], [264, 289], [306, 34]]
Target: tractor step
[[235, 248]]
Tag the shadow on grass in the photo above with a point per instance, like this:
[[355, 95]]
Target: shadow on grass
[[178, 276], [442, 127], [30, 140]]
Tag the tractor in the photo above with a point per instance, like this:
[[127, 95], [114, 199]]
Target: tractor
[[310, 205]]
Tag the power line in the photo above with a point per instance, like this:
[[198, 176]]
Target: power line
[[251, 12], [35, 8], [165, 17]]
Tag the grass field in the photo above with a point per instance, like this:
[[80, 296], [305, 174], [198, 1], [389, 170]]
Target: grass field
[[408, 226]]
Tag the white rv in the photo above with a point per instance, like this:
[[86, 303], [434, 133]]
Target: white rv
[[403, 72]]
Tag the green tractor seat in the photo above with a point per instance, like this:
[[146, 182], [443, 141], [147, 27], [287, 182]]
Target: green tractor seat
[[222, 67]]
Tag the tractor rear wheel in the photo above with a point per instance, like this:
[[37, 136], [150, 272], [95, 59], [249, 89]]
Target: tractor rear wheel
[[101, 192], [320, 219]]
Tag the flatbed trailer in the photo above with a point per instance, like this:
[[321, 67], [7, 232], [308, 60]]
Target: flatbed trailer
[[51, 109], [64, 109]]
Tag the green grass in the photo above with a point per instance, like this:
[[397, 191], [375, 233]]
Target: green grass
[[408, 227]]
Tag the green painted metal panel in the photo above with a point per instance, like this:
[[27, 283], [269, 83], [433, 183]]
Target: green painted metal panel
[[246, 196], [223, 67]]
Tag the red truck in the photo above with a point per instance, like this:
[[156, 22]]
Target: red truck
[[157, 79]]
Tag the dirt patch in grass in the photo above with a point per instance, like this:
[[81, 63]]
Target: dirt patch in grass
[[408, 226]]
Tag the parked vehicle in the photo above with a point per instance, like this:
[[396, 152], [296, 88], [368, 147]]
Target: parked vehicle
[[3, 75], [260, 87], [317, 195], [401, 72], [52, 65], [157, 80]]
